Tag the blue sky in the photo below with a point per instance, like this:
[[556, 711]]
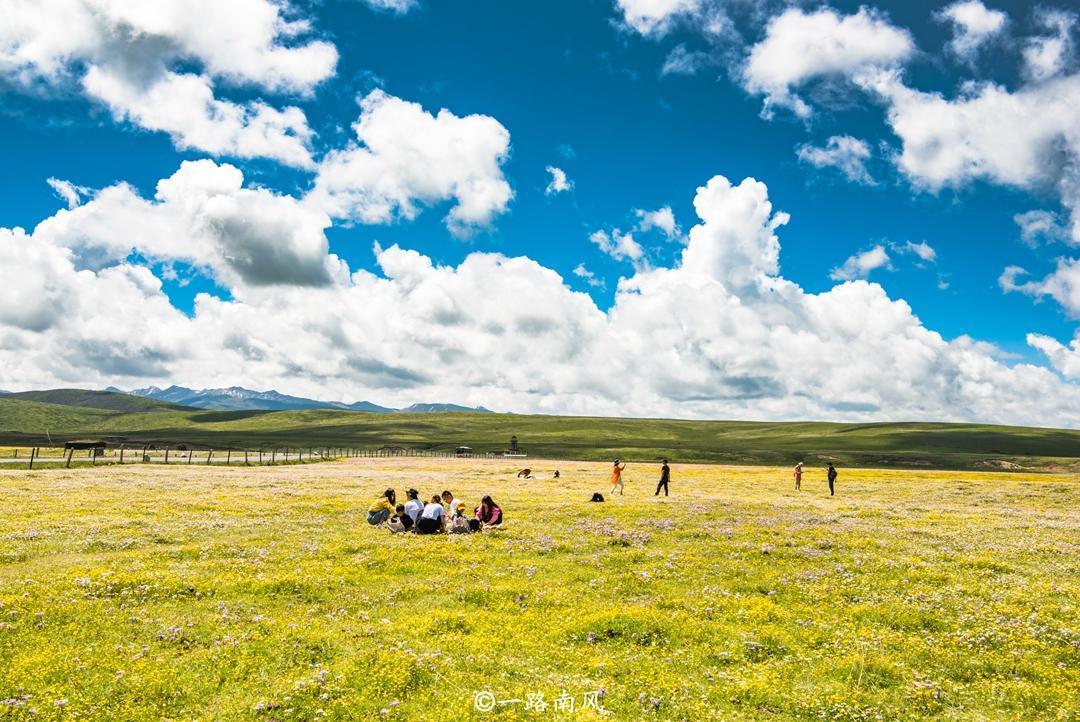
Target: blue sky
[[579, 85]]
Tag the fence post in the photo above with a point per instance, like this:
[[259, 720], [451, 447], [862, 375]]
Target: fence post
[[228, 456], [121, 454], [273, 455], [33, 453], [245, 457], [190, 454], [209, 455], [68, 464], [260, 457], [166, 453]]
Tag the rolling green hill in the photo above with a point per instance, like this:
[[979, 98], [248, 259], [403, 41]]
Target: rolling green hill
[[913, 445], [108, 400]]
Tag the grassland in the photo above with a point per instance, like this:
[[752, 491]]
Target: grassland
[[912, 445], [146, 593]]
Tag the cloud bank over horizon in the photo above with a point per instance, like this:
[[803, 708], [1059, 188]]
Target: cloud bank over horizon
[[721, 333]]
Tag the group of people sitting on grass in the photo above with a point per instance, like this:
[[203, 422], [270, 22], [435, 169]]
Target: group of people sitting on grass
[[444, 514]]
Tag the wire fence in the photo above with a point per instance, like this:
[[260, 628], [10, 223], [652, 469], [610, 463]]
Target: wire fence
[[36, 457]]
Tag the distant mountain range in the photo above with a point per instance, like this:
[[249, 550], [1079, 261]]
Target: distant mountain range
[[236, 398]]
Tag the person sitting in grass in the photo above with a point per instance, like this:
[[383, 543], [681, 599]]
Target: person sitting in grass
[[401, 521], [382, 509], [433, 518], [489, 513], [458, 523], [413, 506], [450, 501]]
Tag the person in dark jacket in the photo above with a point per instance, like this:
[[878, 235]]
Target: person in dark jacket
[[665, 477], [832, 480]]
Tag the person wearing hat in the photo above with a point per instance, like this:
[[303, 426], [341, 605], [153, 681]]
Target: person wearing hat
[[798, 476], [616, 477], [665, 477]]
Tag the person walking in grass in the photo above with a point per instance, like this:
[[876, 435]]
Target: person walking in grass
[[798, 476], [382, 509], [616, 477], [665, 477], [832, 480]]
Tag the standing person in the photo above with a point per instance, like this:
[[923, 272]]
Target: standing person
[[798, 476], [382, 509], [832, 480], [665, 477], [433, 518], [413, 507], [616, 477]]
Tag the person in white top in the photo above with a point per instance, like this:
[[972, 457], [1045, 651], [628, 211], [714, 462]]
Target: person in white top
[[413, 507], [432, 519], [450, 501]]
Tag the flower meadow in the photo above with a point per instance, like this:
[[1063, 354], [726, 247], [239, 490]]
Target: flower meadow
[[186, 593]]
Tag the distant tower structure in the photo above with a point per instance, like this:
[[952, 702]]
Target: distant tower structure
[[513, 445]]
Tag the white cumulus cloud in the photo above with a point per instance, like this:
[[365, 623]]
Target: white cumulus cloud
[[1062, 285], [973, 25], [662, 219], [620, 246], [861, 264], [1047, 56], [559, 183], [406, 158], [1065, 359], [801, 46], [719, 334], [842, 152], [1025, 138], [160, 64]]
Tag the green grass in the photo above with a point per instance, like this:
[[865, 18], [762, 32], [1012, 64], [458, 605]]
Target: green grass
[[146, 593], [108, 400], [912, 445]]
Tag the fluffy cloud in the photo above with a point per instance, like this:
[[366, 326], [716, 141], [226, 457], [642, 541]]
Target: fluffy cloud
[[1065, 359], [559, 182], [662, 219], [200, 215], [719, 334], [861, 264], [1048, 55], [620, 246], [922, 249], [407, 158], [588, 276], [655, 17], [842, 152], [1063, 285], [1025, 138], [973, 25], [128, 56], [799, 47]]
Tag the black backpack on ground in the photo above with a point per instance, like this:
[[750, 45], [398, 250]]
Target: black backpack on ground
[[597, 496]]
